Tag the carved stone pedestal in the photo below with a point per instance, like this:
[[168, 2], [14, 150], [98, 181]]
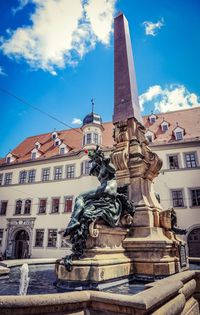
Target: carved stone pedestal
[[154, 250], [153, 254], [104, 261]]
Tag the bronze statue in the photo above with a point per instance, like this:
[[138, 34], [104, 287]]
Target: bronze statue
[[174, 226], [106, 203]]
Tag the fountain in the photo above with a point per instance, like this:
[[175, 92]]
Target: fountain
[[24, 279], [122, 241], [140, 240]]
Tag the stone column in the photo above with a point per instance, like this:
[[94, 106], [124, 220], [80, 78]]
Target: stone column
[[152, 247]]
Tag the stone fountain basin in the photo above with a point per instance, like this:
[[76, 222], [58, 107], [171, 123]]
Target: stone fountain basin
[[177, 294]]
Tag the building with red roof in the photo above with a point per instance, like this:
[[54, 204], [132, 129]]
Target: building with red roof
[[41, 177]]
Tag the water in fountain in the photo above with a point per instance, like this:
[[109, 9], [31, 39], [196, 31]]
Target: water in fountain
[[24, 279]]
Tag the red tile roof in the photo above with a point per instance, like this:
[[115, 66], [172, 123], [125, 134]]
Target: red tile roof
[[188, 119]]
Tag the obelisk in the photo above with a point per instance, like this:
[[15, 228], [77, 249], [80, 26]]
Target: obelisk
[[151, 245], [126, 103]]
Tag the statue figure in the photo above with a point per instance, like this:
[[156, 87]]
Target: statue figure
[[103, 203], [174, 226]]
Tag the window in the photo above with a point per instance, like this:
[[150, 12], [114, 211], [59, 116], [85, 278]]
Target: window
[[18, 207], [3, 209], [8, 179], [55, 205], [149, 138], [33, 155], [177, 198], [179, 135], [1, 237], [62, 150], [173, 161], [195, 197], [39, 238], [96, 138], [190, 160], [8, 159], [85, 168], [152, 120], [70, 171], [22, 177], [27, 207], [42, 206], [31, 176], [1, 179], [58, 172], [164, 127], [45, 174], [37, 145], [54, 135], [57, 142], [68, 204], [88, 138], [52, 238]]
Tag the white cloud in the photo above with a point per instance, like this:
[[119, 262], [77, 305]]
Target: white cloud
[[169, 98], [22, 4], [151, 28], [76, 121], [100, 15], [2, 71], [61, 32]]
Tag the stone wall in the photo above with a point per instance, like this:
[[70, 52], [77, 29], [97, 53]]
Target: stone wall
[[173, 295], [197, 290]]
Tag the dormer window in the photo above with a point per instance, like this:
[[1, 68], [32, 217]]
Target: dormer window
[[150, 136], [164, 126], [63, 148], [33, 155], [62, 151], [54, 135], [37, 145], [57, 142], [8, 159], [152, 119], [178, 133]]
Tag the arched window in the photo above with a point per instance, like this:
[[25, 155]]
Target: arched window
[[27, 207], [194, 242], [18, 208]]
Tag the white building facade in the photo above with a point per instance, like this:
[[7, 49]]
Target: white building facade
[[41, 178]]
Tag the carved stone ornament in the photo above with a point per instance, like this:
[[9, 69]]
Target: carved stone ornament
[[132, 156]]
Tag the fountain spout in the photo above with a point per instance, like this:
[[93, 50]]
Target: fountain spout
[[24, 279]]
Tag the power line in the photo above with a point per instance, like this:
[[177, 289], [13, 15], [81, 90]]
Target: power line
[[38, 109], [42, 111]]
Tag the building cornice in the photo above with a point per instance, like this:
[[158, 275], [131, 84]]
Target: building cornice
[[74, 155]]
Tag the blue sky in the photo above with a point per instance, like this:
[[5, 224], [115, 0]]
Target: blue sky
[[57, 55]]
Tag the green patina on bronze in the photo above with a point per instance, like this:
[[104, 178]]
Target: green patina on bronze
[[106, 203]]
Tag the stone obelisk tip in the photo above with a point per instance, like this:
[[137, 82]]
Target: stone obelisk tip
[[126, 102]]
